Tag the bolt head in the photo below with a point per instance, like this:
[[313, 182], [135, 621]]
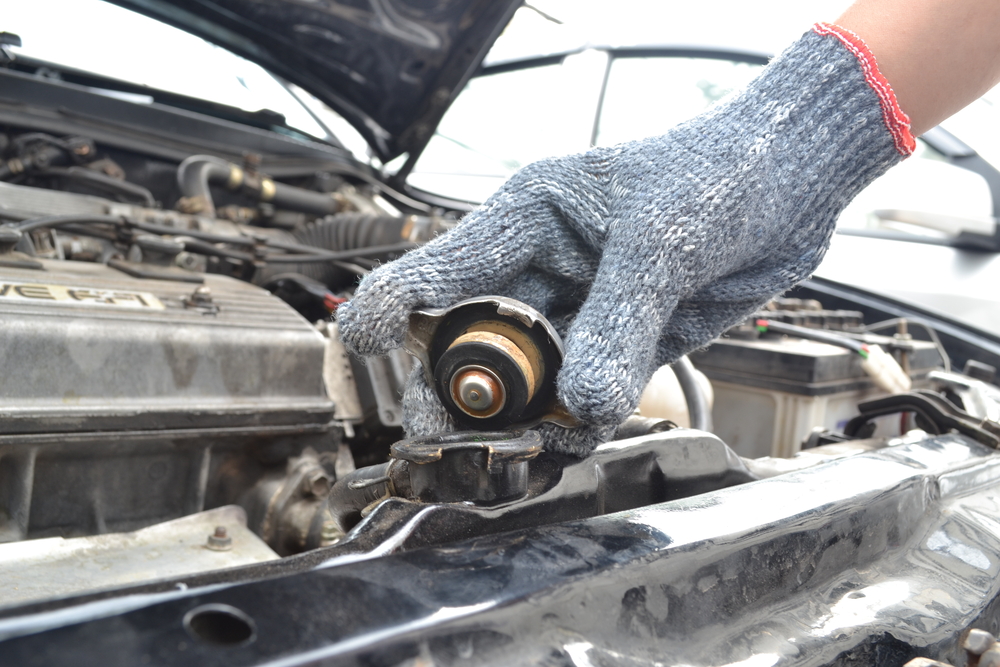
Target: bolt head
[[219, 540], [330, 533]]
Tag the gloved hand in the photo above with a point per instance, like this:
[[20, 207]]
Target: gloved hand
[[656, 246]]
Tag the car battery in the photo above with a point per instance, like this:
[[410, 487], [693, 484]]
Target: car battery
[[771, 392]]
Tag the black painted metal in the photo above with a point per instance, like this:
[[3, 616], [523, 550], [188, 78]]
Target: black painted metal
[[618, 476], [934, 413], [868, 560], [391, 68], [469, 466]]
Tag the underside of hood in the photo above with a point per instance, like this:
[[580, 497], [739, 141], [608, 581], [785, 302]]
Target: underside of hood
[[390, 67]]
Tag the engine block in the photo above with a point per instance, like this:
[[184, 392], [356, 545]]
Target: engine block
[[131, 399]]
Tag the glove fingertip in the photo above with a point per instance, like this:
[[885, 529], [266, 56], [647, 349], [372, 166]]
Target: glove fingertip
[[597, 389], [372, 326]]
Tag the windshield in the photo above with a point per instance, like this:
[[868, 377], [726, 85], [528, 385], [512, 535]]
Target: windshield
[[121, 44]]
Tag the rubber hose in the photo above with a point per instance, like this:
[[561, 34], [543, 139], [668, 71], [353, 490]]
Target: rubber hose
[[697, 402], [306, 201], [344, 231], [195, 173], [130, 192]]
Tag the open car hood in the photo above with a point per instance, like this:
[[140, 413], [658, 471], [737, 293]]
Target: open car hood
[[390, 67]]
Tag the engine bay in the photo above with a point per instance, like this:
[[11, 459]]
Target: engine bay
[[175, 392]]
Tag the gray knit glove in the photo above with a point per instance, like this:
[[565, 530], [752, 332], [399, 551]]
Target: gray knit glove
[[656, 246]]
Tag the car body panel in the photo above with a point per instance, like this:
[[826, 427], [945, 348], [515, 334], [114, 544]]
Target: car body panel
[[873, 559], [390, 67]]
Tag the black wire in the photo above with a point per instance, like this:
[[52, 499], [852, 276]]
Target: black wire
[[935, 339], [83, 230], [699, 412], [191, 246], [352, 267], [201, 236], [60, 220], [101, 181], [331, 255], [195, 245], [828, 337], [202, 248]]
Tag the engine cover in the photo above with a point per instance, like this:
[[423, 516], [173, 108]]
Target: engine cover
[[126, 401]]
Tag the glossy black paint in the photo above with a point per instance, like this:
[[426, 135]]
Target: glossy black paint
[[934, 413], [617, 476], [153, 130], [868, 560], [469, 466], [390, 67]]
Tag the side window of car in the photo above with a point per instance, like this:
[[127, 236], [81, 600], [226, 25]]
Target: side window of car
[[501, 122], [646, 96]]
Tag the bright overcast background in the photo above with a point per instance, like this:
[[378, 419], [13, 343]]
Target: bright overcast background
[[760, 25], [96, 36], [93, 35]]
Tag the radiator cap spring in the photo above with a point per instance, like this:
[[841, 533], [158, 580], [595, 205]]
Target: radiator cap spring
[[492, 361]]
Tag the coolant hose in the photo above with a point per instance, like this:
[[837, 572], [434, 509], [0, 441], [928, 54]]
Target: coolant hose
[[697, 402], [194, 175], [197, 172]]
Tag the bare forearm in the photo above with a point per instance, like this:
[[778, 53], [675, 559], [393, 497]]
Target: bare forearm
[[938, 55]]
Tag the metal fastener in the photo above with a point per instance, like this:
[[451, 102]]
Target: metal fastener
[[330, 533], [219, 540], [201, 298], [202, 294]]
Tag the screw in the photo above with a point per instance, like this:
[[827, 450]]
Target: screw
[[201, 296], [330, 533], [219, 540]]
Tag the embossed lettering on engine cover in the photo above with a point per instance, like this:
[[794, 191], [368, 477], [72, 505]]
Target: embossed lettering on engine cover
[[65, 295]]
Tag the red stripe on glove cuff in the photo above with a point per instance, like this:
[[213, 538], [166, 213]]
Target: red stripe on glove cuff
[[897, 122]]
